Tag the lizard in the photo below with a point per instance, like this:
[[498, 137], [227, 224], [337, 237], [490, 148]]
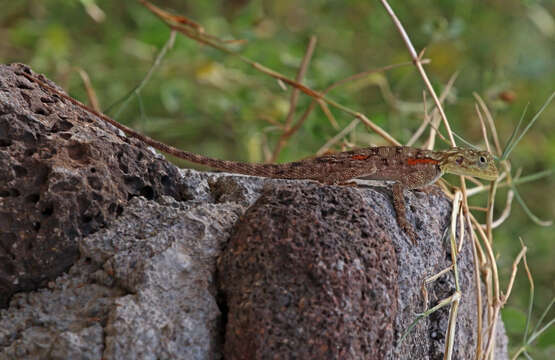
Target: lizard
[[408, 168]]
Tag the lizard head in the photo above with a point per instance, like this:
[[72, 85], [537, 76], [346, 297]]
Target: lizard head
[[469, 162]]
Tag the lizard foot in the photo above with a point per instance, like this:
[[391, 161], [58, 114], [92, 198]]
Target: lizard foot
[[399, 205]]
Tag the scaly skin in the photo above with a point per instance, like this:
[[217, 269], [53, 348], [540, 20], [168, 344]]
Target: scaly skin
[[407, 167]]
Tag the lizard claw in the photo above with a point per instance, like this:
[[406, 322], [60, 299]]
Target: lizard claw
[[410, 232], [431, 190]]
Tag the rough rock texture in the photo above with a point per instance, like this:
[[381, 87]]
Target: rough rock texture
[[64, 175], [144, 285], [310, 274], [430, 215], [143, 289]]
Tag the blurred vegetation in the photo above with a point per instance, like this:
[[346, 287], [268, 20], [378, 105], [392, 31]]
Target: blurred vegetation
[[205, 101]]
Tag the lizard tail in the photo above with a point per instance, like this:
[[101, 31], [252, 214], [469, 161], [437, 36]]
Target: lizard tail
[[265, 170]]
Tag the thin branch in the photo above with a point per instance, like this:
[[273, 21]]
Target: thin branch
[[287, 134], [295, 93], [338, 137]]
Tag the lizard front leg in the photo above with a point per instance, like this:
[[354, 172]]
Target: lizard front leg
[[400, 209]]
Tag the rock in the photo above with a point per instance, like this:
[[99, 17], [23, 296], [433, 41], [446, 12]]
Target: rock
[[143, 289], [65, 174], [140, 260], [309, 274]]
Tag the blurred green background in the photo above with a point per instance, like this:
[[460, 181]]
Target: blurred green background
[[205, 101]]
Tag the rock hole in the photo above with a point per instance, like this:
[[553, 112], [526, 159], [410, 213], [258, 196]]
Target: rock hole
[[9, 267], [30, 152], [165, 180], [20, 171], [47, 99], [77, 151], [133, 181], [112, 208], [47, 210], [97, 197], [14, 192], [147, 192], [93, 170], [5, 142], [119, 210], [42, 111], [123, 168], [33, 198], [23, 84], [62, 126], [36, 225], [27, 70], [66, 136], [86, 218], [4, 193], [85, 119]]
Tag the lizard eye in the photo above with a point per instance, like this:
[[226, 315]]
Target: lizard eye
[[459, 160], [482, 160]]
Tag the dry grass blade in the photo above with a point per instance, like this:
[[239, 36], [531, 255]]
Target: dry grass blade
[[515, 139], [493, 129], [506, 211], [483, 127], [529, 212], [428, 118], [338, 137], [478, 284], [91, 94], [137, 90], [517, 260], [418, 63]]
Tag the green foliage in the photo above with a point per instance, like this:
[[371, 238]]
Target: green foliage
[[205, 101]]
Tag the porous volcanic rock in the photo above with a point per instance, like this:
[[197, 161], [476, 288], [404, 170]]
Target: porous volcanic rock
[[65, 173], [309, 275]]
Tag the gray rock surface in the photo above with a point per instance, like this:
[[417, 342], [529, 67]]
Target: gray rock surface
[[65, 174], [142, 283], [143, 289]]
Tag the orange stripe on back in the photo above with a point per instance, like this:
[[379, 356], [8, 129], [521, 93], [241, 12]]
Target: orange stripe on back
[[360, 157], [422, 161]]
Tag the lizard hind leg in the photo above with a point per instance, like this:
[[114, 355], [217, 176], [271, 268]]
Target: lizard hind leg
[[400, 210]]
